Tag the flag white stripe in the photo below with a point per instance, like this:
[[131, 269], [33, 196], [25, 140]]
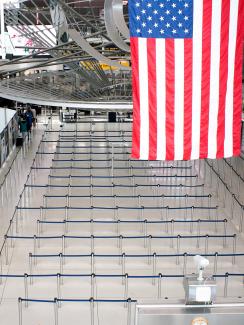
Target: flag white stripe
[[228, 141], [196, 77], [144, 108], [179, 100], [214, 78], [161, 90]]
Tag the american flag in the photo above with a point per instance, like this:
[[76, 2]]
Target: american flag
[[187, 78]]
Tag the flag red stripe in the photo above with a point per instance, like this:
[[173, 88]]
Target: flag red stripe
[[170, 92], [223, 75], [237, 100], [205, 89], [152, 98], [136, 98], [187, 98]]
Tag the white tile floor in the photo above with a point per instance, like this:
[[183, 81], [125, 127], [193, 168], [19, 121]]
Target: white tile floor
[[108, 283]]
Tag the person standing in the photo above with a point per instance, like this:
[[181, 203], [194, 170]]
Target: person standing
[[29, 119], [23, 125]]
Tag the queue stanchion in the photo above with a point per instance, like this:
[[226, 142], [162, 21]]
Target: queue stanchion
[[120, 246], [142, 210], [178, 249], [61, 266], [92, 284], [56, 306], [20, 311], [59, 289], [31, 267], [92, 307], [63, 247], [226, 284], [123, 267], [118, 227], [92, 243], [186, 204], [6, 249], [145, 232], [149, 249], [234, 249], [166, 219], [36, 243], [126, 287], [192, 217], [206, 244], [160, 285], [92, 263], [184, 263], [154, 267], [225, 232], [129, 302], [215, 263], [26, 289], [11, 230], [92, 226]]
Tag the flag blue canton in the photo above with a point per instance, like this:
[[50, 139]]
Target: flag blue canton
[[161, 18]]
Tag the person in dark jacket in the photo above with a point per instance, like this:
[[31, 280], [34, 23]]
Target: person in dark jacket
[[23, 125], [29, 119]]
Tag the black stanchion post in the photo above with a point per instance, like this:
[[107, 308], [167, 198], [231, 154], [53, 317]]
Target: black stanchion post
[[38, 228], [178, 249], [234, 249], [145, 232], [209, 206], [118, 227], [141, 217], [206, 244], [56, 302], [225, 232], [116, 213], [92, 310], [61, 266], [126, 286], [149, 249], [166, 219], [20, 311], [11, 231], [172, 233], [34, 248], [59, 289], [92, 284], [215, 263], [26, 289], [6, 249], [92, 262], [63, 247], [159, 285], [192, 217], [226, 284], [154, 267], [129, 311], [120, 242], [185, 263], [123, 267], [92, 243]]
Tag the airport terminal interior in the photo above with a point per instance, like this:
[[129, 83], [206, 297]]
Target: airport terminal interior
[[89, 235]]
